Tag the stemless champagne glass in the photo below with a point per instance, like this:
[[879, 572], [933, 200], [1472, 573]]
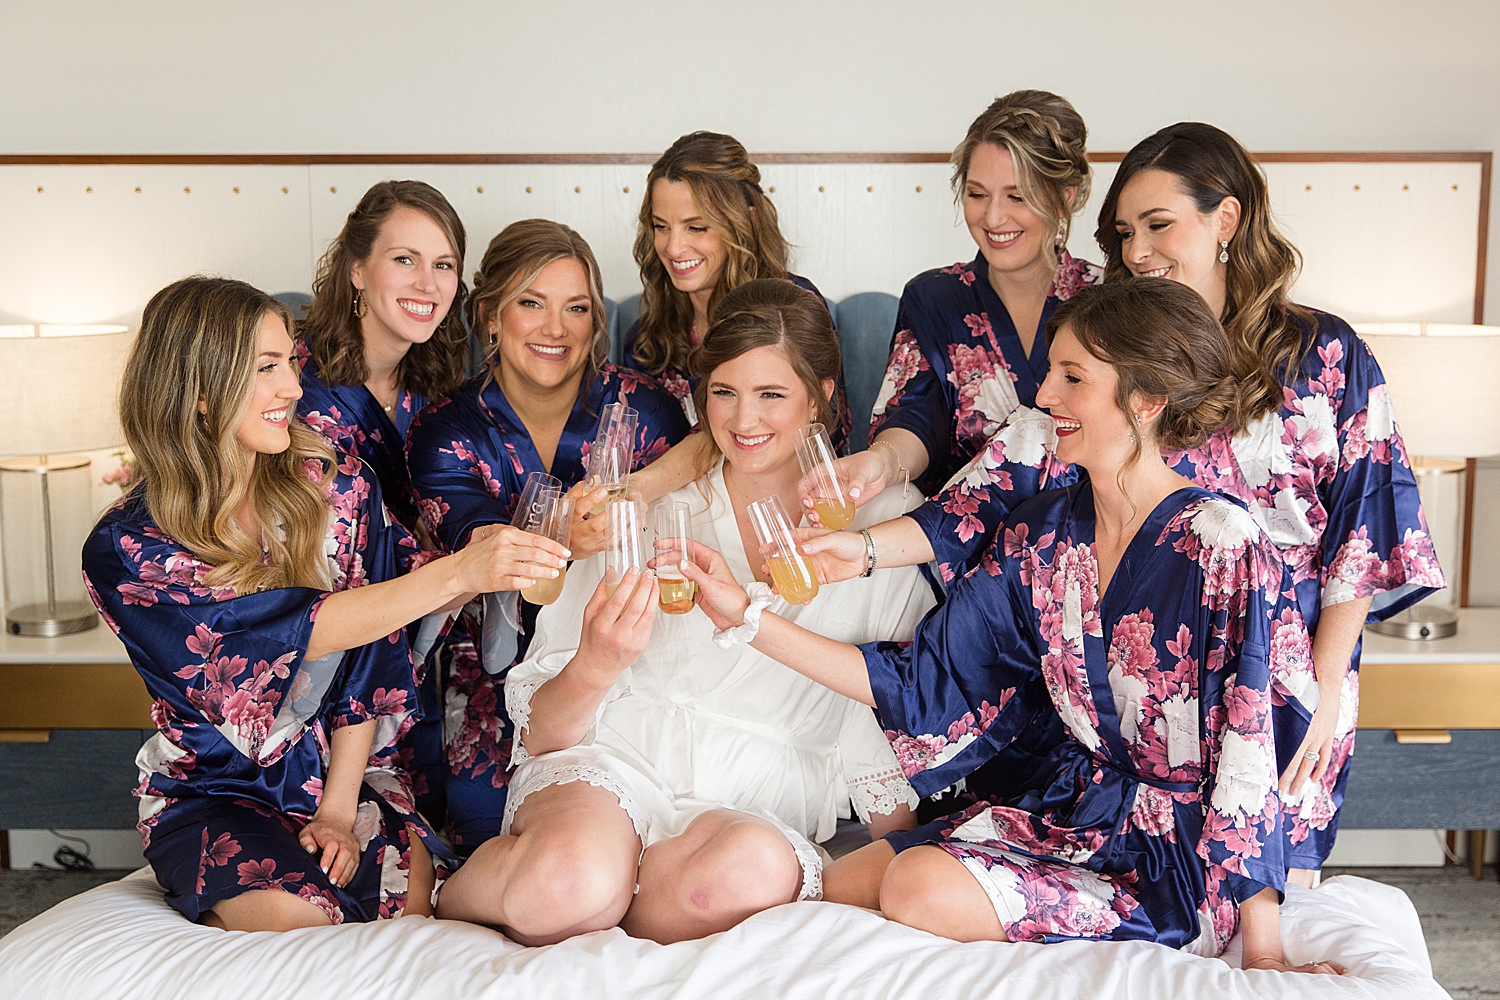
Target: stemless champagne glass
[[622, 542], [793, 573], [538, 484], [613, 452], [816, 456], [550, 516], [673, 519]]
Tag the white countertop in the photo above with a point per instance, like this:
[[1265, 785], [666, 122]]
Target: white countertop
[[97, 645], [1477, 641]]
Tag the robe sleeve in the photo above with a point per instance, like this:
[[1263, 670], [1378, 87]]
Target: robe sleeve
[[911, 395], [457, 488], [869, 767], [1376, 540], [962, 521], [238, 663], [948, 699], [1241, 843]]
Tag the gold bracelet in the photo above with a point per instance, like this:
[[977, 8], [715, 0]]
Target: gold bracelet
[[905, 475]]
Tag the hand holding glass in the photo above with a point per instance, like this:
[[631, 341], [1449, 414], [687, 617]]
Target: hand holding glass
[[791, 571], [819, 467], [551, 516]]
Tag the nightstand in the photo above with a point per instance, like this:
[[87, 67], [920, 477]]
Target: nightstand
[[73, 713], [1428, 752]]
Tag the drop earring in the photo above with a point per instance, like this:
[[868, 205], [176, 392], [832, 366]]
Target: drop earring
[[359, 304], [1223, 251]]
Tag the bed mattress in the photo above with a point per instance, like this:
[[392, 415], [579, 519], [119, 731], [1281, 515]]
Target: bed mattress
[[122, 940]]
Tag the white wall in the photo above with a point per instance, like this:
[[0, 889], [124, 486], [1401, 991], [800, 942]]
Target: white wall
[[175, 76]]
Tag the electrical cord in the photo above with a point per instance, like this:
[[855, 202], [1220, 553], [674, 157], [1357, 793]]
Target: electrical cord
[[67, 858]]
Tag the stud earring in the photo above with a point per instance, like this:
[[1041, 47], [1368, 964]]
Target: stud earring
[[359, 304], [1223, 251]]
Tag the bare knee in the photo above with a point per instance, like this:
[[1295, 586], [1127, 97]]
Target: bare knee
[[749, 866], [265, 910], [911, 891], [565, 886]]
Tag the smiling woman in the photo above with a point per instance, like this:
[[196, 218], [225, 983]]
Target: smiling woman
[[538, 305]]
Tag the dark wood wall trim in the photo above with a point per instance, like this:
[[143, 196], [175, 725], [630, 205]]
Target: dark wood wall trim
[[572, 159]]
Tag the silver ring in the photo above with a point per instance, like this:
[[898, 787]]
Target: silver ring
[[1311, 755]]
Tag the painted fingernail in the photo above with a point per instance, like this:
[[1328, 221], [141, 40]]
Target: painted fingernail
[[854, 491]]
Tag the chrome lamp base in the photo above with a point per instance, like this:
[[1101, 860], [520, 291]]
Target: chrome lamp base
[[1419, 622], [66, 618]]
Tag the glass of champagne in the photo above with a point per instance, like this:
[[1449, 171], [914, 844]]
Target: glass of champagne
[[613, 452], [816, 456], [622, 542], [537, 485], [551, 516], [673, 522], [791, 570]]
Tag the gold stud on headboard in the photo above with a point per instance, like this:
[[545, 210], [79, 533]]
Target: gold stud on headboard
[[187, 190], [38, 190], [1308, 188], [137, 190], [479, 189], [332, 189], [236, 190], [284, 191], [88, 190]]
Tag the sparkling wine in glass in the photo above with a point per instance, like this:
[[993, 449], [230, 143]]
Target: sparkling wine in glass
[[673, 529], [816, 456], [792, 571]]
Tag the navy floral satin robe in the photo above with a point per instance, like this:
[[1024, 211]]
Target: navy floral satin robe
[[1327, 478], [680, 384], [469, 457], [237, 766], [957, 367], [1156, 814], [353, 422]]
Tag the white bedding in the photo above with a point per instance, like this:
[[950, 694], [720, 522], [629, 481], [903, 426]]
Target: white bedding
[[122, 940]]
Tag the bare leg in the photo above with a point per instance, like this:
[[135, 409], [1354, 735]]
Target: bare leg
[[855, 878], [724, 867], [265, 910], [567, 867], [927, 888], [1302, 876], [420, 878]]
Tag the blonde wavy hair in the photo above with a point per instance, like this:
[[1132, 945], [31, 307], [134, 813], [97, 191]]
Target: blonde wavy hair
[[1210, 165], [726, 189], [512, 261], [1047, 140], [199, 343]]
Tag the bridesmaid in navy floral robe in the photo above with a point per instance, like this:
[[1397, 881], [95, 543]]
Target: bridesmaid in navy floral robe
[[383, 336], [469, 456], [968, 345], [254, 578]]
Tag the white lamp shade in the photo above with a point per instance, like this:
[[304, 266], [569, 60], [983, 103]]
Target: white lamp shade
[[1444, 384], [58, 393]]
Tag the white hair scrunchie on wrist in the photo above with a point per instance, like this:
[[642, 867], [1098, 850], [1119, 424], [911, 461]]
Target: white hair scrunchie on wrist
[[760, 598]]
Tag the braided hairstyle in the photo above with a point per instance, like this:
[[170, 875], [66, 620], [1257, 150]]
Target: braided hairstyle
[[1165, 343], [1047, 141], [726, 189]]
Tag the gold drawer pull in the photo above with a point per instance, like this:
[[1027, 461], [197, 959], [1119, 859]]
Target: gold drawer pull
[[1423, 736], [25, 735]]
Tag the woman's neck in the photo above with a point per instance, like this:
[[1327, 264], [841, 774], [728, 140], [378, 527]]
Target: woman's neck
[[1024, 295], [745, 488], [701, 300], [1124, 496], [540, 409], [383, 355]]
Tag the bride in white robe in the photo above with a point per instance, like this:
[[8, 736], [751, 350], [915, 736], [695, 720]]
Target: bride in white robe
[[665, 784]]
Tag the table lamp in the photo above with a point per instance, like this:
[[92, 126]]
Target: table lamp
[[1444, 382], [57, 396]]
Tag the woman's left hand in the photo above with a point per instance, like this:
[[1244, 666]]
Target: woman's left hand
[[1319, 740], [1316, 968], [720, 596], [340, 857]]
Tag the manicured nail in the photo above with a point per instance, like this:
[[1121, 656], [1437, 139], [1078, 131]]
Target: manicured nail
[[854, 491]]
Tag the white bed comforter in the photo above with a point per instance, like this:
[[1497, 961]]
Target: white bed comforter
[[121, 941]]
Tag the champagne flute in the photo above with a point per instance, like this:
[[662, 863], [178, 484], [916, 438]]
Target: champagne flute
[[613, 452], [622, 542], [550, 516], [673, 523], [816, 456], [792, 571]]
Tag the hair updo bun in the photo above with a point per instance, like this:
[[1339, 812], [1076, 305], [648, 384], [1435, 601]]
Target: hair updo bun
[[1164, 343]]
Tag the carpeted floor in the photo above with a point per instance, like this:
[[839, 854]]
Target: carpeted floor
[[1460, 917]]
